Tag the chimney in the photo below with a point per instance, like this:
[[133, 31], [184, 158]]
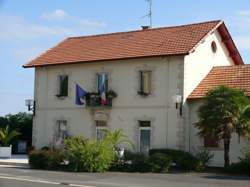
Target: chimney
[[145, 27]]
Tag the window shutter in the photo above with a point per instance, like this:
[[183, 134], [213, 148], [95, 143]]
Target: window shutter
[[147, 82]]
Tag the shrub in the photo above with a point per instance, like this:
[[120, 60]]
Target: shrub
[[160, 162], [203, 159], [46, 159], [89, 155], [182, 159], [241, 167]]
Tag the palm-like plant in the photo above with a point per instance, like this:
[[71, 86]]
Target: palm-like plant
[[6, 135], [117, 137], [224, 111]]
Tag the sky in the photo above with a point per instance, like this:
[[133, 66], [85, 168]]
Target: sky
[[29, 27]]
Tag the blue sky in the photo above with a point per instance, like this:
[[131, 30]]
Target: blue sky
[[29, 27]]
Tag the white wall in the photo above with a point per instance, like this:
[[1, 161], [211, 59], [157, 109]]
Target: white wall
[[128, 107], [196, 66], [196, 142]]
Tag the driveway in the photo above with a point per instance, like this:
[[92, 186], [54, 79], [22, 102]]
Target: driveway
[[14, 177]]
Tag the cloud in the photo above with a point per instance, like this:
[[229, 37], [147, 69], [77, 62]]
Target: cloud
[[55, 15], [244, 13], [16, 28]]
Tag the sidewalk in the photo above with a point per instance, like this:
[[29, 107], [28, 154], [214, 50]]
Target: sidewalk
[[15, 160]]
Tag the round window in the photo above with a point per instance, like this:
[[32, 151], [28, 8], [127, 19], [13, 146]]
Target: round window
[[214, 46]]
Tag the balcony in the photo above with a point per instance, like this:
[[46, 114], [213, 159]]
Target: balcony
[[93, 99]]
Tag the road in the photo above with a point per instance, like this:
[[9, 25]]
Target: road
[[17, 177]]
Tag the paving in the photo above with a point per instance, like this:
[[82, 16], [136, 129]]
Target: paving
[[11, 177]]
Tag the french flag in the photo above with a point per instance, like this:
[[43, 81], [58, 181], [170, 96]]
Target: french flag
[[103, 94]]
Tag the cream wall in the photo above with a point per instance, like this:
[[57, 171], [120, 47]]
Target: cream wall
[[196, 142], [198, 63], [196, 66], [128, 107]]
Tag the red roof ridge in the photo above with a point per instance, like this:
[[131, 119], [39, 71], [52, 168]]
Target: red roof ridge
[[144, 30]]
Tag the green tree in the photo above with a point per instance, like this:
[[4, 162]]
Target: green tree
[[6, 135], [224, 111]]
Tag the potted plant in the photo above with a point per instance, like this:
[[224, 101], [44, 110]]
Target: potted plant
[[6, 135]]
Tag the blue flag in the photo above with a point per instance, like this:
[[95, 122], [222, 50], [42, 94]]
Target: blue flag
[[80, 93]]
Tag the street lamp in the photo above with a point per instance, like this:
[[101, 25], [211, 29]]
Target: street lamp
[[31, 104], [177, 99]]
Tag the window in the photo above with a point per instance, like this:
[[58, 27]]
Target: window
[[101, 130], [144, 136], [61, 131], [214, 46], [210, 141], [63, 86], [102, 80], [145, 83]]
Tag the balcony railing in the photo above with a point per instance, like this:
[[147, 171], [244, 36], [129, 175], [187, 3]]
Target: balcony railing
[[93, 99]]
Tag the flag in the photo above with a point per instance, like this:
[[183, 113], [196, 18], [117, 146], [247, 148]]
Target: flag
[[102, 91], [80, 93]]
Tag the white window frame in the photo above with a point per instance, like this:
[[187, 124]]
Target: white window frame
[[99, 128], [144, 128], [58, 129]]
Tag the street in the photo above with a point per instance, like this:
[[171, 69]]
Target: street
[[17, 177]]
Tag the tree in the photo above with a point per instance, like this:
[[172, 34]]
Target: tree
[[224, 111], [6, 135]]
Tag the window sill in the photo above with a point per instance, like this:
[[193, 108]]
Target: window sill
[[143, 94], [60, 97]]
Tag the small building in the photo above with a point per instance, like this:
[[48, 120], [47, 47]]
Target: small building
[[159, 75]]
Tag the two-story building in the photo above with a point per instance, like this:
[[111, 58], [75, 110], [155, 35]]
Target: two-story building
[[154, 80]]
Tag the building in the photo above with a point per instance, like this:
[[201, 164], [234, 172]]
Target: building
[[159, 76]]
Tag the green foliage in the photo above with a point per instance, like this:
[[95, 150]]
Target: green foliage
[[203, 159], [87, 155], [224, 111], [160, 163], [181, 159], [21, 122], [6, 135], [117, 137], [46, 159]]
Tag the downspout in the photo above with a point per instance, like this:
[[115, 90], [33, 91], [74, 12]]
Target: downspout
[[168, 82]]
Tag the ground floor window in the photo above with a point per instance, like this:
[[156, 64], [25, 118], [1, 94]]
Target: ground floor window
[[101, 130], [210, 141], [144, 136], [61, 131]]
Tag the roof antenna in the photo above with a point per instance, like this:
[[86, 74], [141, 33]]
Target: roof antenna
[[149, 15]]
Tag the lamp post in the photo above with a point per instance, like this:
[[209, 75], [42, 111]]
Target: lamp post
[[31, 104], [177, 99]]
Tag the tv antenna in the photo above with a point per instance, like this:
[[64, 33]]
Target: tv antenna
[[149, 15]]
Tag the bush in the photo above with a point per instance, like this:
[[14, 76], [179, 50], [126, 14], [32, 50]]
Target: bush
[[86, 155], [46, 159], [182, 159], [203, 159], [241, 167], [160, 162]]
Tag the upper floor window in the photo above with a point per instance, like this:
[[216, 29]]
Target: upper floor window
[[102, 81], [145, 82], [63, 85]]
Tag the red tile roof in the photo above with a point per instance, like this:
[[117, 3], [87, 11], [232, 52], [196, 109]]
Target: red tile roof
[[178, 40], [231, 76]]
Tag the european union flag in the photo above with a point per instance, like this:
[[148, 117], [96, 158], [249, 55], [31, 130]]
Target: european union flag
[[80, 93]]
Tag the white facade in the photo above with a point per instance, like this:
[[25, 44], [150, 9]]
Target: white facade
[[175, 75]]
